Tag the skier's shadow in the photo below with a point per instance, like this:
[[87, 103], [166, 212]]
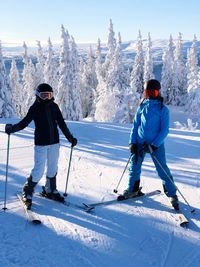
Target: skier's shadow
[[157, 204]]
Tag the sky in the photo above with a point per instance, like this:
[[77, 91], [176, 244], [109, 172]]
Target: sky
[[88, 20]]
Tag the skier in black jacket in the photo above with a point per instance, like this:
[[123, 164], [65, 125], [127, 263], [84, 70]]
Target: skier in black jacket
[[47, 116]]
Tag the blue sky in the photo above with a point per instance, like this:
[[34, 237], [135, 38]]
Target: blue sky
[[88, 20]]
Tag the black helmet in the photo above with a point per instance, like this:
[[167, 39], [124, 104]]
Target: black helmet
[[45, 93], [44, 87], [152, 84]]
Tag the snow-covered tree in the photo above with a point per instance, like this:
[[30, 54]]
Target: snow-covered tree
[[179, 81], [28, 79], [106, 107], [105, 87], [117, 74], [64, 97], [193, 79], [6, 106], [16, 88], [114, 91], [111, 44], [75, 82], [167, 70], [88, 84], [192, 67], [68, 97], [39, 67], [148, 61], [51, 68], [137, 73], [99, 71]]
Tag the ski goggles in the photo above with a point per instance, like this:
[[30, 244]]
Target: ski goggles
[[44, 95], [151, 93]]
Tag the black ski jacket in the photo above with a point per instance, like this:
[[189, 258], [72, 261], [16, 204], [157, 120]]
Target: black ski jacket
[[46, 116]]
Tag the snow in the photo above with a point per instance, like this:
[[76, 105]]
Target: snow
[[140, 233]]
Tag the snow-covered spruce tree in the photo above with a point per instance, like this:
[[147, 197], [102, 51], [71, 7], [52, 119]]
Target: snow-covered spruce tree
[[114, 91], [192, 67], [111, 45], [68, 97], [28, 79], [88, 84], [137, 73], [118, 83], [6, 106], [167, 71], [51, 68], [100, 76], [64, 96], [148, 61], [16, 88], [179, 81], [105, 91], [99, 71], [39, 67], [75, 82], [193, 85]]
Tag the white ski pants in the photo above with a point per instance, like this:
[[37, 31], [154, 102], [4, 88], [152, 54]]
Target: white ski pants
[[45, 155]]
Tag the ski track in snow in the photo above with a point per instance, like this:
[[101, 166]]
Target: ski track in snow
[[142, 233]]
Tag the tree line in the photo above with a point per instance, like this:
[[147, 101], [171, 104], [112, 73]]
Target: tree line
[[100, 86]]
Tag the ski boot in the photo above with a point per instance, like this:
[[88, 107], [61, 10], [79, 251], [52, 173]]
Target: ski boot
[[50, 191], [131, 194], [165, 190], [27, 192], [174, 201]]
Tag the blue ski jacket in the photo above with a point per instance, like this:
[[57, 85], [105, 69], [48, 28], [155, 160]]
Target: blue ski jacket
[[151, 123]]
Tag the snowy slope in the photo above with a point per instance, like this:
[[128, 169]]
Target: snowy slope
[[141, 233]]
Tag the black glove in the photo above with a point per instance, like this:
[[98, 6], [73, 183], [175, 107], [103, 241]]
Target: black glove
[[73, 141], [154, 147], [146, 147], [8, 128], [133, 148]]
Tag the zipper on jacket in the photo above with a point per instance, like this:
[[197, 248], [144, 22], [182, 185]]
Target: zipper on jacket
[[49, 118]]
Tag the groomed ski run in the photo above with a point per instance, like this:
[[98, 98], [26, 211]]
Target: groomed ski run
[[137, 233]]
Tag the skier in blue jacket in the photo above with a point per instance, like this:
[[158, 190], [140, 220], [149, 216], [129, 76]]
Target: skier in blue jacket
[[150, 128]]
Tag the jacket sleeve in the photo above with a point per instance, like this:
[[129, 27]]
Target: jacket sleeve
[[62, 125], [24, 122], [134, 130], [164, 128]]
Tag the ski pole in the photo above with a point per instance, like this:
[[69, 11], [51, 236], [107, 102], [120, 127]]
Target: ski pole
[[6, 180], [70, 159], [151, 152], [116, 189]]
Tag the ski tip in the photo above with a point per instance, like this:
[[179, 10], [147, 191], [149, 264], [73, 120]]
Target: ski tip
[[184, 224], [87, 207], [36, 221], [120, 198]]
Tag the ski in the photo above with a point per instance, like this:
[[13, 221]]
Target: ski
[[177, 213], [84, 207], [180, 217], [183, 221], [30, 215], [135, 196]]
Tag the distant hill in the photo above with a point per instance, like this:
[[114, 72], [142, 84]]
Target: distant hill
[[129, 49]]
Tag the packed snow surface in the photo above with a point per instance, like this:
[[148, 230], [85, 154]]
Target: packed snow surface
[[135, 233]]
